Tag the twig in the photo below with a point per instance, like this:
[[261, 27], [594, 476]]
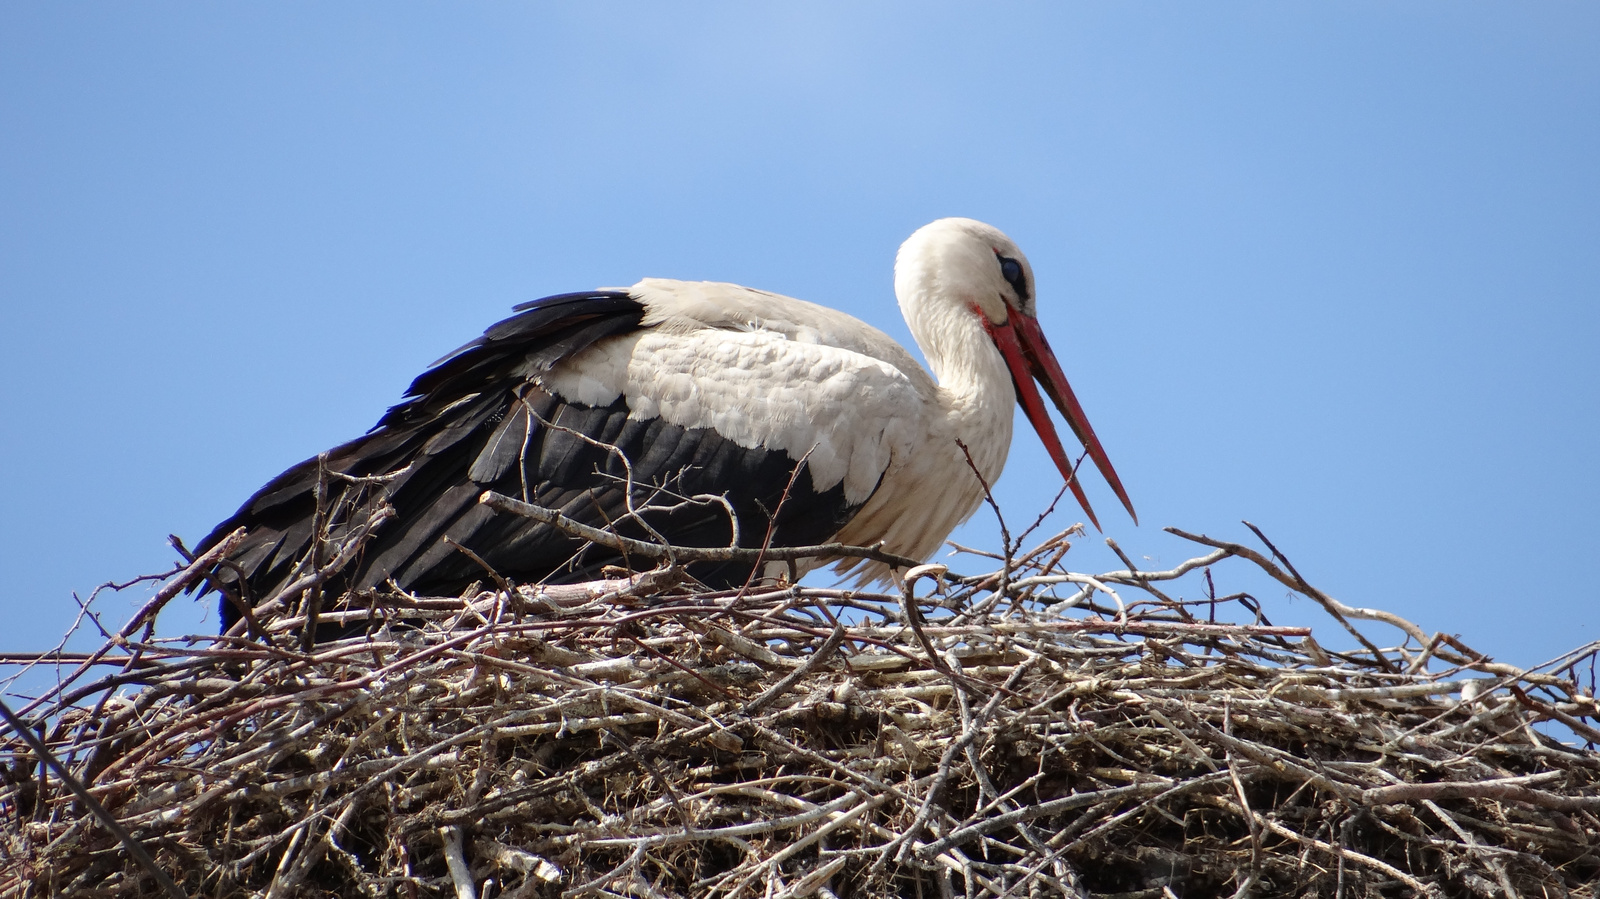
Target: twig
[[502, 503], [822, 654], [108, 820], [455, 858], [1338, 610]]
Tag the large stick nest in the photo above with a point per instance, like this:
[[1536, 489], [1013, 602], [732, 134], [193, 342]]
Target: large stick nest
[[1026, 733]]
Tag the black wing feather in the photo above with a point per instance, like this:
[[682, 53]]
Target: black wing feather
[[474, 421]]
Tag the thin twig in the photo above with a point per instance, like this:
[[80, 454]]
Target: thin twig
[[502, 503]]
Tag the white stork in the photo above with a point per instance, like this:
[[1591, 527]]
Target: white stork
[[709, 391]]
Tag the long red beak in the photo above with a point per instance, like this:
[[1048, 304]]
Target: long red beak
[[1030, 358]]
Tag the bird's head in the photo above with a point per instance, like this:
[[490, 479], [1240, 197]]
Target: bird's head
[[962, 267], [970, 263]]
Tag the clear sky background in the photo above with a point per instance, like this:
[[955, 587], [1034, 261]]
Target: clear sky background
[[1332, 268]]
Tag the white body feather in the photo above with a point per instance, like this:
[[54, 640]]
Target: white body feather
[[765, 370]]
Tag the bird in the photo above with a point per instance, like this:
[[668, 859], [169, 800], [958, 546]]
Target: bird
[[704, 414]]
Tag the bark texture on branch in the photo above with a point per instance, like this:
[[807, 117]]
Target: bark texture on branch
[[634, 737]]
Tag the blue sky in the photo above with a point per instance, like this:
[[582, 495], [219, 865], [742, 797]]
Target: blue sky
[[1332, 268]]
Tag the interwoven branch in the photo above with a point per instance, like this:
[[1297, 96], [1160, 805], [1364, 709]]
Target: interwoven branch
[[636, 737]]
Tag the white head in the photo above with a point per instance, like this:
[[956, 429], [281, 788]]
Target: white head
[[958, 273], [966, 262]]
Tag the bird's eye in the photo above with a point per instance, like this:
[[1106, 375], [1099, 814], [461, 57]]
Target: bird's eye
[[1011, 270]]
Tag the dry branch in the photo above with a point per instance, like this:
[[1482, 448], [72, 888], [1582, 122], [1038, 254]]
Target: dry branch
[[634, 737]]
